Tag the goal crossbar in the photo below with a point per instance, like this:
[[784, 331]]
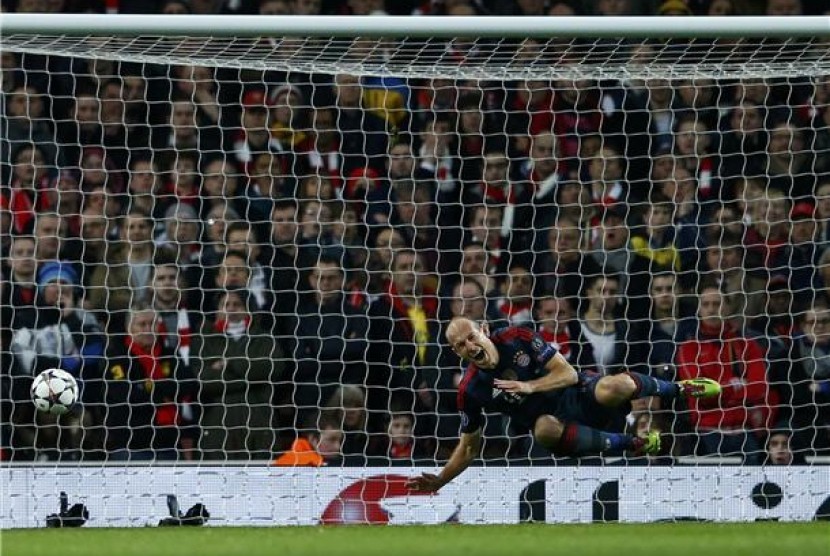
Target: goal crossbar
[[565, 48], [392, 26]]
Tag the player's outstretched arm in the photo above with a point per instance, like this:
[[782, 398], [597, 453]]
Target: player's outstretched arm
[[560, 374], [462, 457]]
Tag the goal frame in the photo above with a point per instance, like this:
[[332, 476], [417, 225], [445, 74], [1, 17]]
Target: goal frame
[[427, 26]]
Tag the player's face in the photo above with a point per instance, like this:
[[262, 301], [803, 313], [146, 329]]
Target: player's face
[[470, 343]]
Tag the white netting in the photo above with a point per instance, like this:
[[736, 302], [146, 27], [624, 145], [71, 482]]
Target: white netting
[[488, 59], [290, 224]]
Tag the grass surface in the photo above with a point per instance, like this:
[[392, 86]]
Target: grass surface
[[664, 539]]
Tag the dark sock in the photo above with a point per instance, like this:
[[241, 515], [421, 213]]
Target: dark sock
[[650, 386], [579, 440]]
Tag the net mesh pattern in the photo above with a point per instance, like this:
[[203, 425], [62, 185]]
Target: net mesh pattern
[[293, 222]]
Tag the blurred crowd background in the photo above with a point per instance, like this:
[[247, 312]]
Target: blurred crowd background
[[259, 265]]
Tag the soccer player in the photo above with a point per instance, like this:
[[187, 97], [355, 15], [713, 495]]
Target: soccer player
[[515, 372]]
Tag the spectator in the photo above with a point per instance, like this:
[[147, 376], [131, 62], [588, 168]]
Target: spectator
[[288, 119], [743, 140], [403, 335], [93, 245], [125, 279], [318, 447], [217, 219], [615, 343], [789, 161], [517, 296], [83, 126], [69, 203], [399, 444], [143, 187], [183, 185], [823, 213], [563, 266], [700, 97], [197, 84], [485, 226], [182, 230], [779, 450], [434, 158], [732, 424], [612, 251], [721, 8], [692, 150], [656, 243], [556, 323], [784, 7], [240, 237], [320, 151], [31, 189], [379, 265], [347, 407], [725, 266], [672, 322], [328, 339], [50, 233], [220, 185], [605, 176], [238, 366], [19, 280], [54, 333], [26, 123], [363, 135], [150, 395], [283, 260], [804, 241], [545, 176], [183, 133], [805, 390], [254, 137], [177, 322]]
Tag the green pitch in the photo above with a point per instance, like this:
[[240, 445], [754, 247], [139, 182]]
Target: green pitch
[[665, 539]]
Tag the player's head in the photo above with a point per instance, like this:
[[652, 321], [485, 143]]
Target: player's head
[[470, 342]]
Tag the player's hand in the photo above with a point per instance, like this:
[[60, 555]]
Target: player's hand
[[427, 482], [514, 386]]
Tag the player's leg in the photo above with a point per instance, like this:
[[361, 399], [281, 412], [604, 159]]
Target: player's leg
[[615, 390], [572, 439]]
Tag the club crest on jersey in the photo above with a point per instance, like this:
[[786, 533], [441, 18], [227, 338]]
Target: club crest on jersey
[[521, 359]]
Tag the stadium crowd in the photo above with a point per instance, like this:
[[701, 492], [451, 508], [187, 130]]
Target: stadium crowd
[[241, 264]]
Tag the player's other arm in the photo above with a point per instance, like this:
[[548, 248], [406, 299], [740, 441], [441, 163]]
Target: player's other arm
[[462, 457], [559, 374]]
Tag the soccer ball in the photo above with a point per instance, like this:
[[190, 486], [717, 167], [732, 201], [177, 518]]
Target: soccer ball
[[54, 391]]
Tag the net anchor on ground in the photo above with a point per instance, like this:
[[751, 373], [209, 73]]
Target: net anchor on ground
[[197, 514]]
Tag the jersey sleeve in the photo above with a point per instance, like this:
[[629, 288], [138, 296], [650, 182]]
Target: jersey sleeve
[[472, 413], [541, 350], [472, 416]]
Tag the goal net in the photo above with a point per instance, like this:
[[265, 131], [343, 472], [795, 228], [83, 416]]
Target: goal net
[[247, 246]]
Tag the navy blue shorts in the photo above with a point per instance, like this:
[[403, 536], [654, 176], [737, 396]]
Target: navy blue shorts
[[578, 404]]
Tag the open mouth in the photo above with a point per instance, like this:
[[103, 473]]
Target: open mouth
[[480, 356]]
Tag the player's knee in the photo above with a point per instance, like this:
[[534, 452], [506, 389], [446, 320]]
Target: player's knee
[[614, 389], [547, 431]]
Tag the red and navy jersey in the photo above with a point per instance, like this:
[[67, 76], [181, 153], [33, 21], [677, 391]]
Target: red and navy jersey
[[523, 355]]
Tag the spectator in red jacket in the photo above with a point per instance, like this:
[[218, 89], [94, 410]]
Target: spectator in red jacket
[[731, 424]]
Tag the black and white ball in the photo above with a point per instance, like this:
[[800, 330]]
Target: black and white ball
[[54, 391]]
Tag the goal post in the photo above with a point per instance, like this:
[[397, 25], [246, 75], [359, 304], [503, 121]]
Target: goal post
[[264, 225]]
